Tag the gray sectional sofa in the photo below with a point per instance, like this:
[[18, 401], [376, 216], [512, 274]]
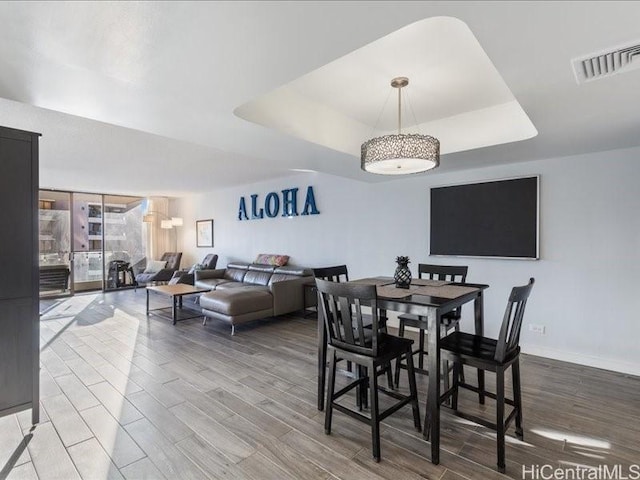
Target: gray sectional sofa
[[243, 292]]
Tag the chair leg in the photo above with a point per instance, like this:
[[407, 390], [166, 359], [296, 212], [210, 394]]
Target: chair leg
[[359, 387], [457, 367], [500, 418], [413, 390], [358, 393], [330, 389], [445, 376], [445, 366], [421, 348], [399, 359], [517, 398], [375, 421], [457, 329], [364, 389], [322, 362], [389, 370]]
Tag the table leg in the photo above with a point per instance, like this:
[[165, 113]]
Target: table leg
[[432, 419], [147, 302], [174, 309], [478, 306], [322, 359], [180, 301]]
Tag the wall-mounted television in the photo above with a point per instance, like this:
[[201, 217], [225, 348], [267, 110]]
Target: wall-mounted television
[[497, 218]]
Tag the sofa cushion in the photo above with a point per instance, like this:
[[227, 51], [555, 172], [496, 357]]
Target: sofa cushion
[[145, 277], [236, 285], [256, 267], [239, 265], [237, 301], [272, 259], [234, 274], [211, 283], [257, 277], [297, 271]]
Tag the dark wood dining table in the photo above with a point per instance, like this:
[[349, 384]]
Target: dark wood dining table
[[432, 308]]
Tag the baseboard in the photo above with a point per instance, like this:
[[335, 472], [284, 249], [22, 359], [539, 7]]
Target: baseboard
[[580, 359], [577, 358]]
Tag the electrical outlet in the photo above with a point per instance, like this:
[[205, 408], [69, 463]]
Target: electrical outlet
[[539, 329]]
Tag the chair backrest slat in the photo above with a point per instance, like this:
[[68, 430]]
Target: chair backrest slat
[[347, 319], [509, 338], [330, 306], [449, 273], [341, 309], [338, 273]]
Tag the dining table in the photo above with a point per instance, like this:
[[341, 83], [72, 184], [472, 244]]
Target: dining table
[[431, 300]]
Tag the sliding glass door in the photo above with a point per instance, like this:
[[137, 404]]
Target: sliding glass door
[[89, 241], [55, 243], [124, 244]]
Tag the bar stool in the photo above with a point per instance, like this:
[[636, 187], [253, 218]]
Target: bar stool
[[370, 349], [340, 274], [451, 320], [495, 356]]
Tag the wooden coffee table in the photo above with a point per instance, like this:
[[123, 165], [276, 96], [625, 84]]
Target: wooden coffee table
[[176, 292]]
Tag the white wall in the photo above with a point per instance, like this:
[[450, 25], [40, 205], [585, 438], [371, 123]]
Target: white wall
[[585, 293]]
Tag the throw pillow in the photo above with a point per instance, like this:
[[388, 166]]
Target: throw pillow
[[154, 266], [272, 259]]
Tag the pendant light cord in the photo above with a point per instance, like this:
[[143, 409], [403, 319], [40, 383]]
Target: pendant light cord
[[413, 113], [380, 115]]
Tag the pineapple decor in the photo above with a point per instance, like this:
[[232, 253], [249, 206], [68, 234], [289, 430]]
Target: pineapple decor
[[402, 276]]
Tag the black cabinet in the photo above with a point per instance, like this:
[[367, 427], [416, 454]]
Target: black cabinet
[[19, 319]]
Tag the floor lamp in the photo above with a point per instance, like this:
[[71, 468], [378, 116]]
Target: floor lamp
[[166, 223]]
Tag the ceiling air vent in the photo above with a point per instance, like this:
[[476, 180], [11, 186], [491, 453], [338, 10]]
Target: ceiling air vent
[[607, 63]]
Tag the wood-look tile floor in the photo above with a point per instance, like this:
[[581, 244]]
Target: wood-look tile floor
[[124, 395]]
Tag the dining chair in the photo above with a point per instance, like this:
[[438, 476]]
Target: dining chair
[[451, 320], [495, 356], [340, 274], [348, 338]]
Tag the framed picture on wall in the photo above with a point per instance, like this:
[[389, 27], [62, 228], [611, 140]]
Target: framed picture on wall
[[204, 233]]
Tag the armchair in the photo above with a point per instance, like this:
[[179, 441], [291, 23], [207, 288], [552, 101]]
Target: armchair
[[151, 275], [188, 276]]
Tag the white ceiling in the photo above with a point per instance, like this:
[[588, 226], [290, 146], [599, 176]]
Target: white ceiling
[[457, 95], [138, 97]]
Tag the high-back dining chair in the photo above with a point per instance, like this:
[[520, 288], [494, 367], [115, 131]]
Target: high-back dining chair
[[495, 356], [451, 320], [348, 338], [338, 273]]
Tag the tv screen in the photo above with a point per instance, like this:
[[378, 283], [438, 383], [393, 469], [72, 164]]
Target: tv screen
[[489, 219]]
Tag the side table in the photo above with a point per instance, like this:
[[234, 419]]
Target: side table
[[310, 300]]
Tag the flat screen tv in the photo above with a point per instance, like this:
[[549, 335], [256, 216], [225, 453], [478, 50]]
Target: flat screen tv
[[488, 219]]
